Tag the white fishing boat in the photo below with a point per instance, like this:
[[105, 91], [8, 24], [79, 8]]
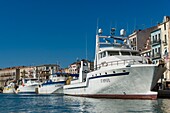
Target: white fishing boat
[[53, 85], [119, 73], [27, 86], [10, 88]]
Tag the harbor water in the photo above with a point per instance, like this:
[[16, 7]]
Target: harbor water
[[11, 103]]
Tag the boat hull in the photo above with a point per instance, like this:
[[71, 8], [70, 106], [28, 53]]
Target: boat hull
[[26, 89], [9, 90], [127, 83], [112, 96], [51, 88]]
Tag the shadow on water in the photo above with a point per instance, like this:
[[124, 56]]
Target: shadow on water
[[69, 104]]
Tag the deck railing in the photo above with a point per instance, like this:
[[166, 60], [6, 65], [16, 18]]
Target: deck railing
[[120, 62]]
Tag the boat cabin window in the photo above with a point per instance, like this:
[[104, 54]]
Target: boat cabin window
[[103, 54], [112, 53], [135, 53], [125, 53]]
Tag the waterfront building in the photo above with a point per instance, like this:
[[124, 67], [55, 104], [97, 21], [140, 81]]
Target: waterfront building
[[14, 73], [66, 70], [139, 38], [146, 51], [7, 74], [156, 45], [165, 47], [44, 71], [27, 72], [74, 67]]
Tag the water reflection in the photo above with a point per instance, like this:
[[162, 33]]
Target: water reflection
[[70, 104], [117, 105], [164, 105]]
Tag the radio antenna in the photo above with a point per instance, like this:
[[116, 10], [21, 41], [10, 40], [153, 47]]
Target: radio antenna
[[97, 26], [86, 46]]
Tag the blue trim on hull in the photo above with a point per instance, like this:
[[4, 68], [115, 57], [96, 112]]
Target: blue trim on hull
[[26, 93], [53, 83], [102, 76], [109, 75]]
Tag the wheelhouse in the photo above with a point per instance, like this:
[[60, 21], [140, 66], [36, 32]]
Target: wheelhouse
[[104, 54]]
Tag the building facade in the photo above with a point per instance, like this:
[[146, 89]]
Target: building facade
[[165, 46], [146, 51], [139, 38], [12, 74], [156, 45], [44, 71], [74, 67]]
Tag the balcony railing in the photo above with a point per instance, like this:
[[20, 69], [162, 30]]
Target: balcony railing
[[157, 55], [121, 62], [156, 42]]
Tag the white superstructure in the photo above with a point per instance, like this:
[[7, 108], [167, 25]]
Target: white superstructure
[[119, 72], [53, 85], [27, 86], [10, 88]]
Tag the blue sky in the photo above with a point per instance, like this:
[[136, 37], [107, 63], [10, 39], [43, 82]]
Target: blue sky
[[35, 32]]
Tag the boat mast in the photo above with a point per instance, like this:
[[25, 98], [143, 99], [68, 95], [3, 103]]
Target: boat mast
[[86, 46], [96, 51]]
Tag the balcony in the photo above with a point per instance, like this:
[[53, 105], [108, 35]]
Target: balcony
[[155, 42], [156, 55]]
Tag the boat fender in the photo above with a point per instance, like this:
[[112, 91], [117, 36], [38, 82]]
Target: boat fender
[[68, 81]]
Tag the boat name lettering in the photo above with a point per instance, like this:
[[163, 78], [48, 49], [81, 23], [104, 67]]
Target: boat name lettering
[[58, 85], [105, 80]]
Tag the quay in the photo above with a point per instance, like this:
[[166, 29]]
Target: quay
[[164, 94], [1, 89]]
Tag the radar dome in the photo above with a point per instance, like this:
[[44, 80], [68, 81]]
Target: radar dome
[[122, 32], [100, 31]]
